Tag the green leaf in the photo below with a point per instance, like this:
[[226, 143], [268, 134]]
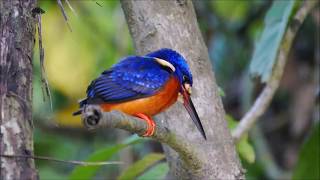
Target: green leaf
[[230, 12], [139, 167], [221, 92], [244, 148], [88, 172], [309, 157], [157, 172], [266, 49], [45, 172], [232, 123]]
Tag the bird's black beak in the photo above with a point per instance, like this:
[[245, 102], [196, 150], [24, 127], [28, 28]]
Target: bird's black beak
[[187, 102]]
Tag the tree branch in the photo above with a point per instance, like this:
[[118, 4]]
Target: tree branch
[[264, 99], [94, 118]]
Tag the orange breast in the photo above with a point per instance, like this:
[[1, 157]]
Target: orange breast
[[149, 105]]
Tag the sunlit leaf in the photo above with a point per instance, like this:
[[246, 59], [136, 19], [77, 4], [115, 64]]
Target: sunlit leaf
[[308, 166], [266, 49], [244, 148], [140, 166], [88, 172], [157, 172], [73, 59], [68, 60]]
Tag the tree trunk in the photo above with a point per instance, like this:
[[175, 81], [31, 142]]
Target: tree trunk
[[17, 42], [172, 24]]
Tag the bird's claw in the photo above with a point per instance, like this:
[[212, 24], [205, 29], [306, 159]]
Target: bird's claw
[[150, 122]]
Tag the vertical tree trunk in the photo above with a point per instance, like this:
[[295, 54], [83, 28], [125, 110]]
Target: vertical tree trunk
[[17, 41], [157, 24]]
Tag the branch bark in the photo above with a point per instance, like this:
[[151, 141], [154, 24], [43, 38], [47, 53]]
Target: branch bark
[[94, 118], [172, 24], [264, 99], [17, 42]]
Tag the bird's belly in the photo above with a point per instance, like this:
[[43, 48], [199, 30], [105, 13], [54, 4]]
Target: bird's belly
[[149, 105]]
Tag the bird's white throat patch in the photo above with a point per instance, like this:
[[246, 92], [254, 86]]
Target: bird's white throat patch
[[187, 86]]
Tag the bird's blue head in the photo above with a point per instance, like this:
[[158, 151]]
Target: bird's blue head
[[169, 58], [182, 70]]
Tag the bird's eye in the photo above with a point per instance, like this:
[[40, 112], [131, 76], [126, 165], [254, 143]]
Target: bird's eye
[[185, 79]]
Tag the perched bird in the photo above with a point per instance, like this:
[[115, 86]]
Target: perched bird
[[144, 86]]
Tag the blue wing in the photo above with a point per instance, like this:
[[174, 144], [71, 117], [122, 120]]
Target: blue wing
[[132, 78]]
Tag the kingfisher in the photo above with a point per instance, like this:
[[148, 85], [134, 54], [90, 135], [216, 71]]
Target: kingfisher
[[143, 86]]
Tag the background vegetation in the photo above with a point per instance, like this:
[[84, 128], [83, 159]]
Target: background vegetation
[[285, 143]]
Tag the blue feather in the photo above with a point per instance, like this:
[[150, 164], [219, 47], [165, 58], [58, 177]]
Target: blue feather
[[177, 60], [132, 78], [138, 76]]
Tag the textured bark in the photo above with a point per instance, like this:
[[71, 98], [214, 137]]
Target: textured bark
[[172, 24], [17, 41]]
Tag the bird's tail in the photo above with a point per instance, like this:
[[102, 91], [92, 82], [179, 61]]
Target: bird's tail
[[82, 103], [77, 112]]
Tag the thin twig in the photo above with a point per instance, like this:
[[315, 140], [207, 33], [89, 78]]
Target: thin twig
[[262, 102], [71, 8], [44, 82], [98, 4], [64, 14], [81, 163]]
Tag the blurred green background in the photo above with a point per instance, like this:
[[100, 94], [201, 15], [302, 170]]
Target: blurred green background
[[282, 145]]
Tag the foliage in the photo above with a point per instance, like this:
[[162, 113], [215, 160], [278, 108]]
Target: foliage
[[308, 166], [264, 56], [244, 148], [57, 146], [73, 59], [103, 154], [140, 166], [159, 171], [228, 11]]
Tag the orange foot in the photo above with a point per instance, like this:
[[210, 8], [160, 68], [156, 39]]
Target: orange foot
[[151, 124]]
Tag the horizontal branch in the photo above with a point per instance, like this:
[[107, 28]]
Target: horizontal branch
[[94, 118], [264, 99]]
